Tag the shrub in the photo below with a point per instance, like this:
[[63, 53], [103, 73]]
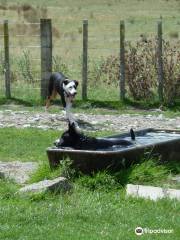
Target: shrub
[[141, 70], [171, 68], [105, 71]]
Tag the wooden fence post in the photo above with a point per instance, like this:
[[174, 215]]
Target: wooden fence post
[[85, 60], [122, 60], [46, 54], [160, 61], [6, 60]]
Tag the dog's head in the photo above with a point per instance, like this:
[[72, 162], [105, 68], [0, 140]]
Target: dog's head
[[69, 138], [70, 88]]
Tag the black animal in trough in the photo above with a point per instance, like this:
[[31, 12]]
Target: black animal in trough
[[87, 157], [74, 139]]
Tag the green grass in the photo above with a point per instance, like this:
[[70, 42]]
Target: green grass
[[97, 208], [25, 144], [44, 172], [85, 214], [150, 172], [29, 144]]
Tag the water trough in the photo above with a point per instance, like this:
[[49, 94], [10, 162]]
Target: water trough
[[165, 143]]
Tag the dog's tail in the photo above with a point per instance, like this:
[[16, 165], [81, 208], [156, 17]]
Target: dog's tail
[[133, 137]]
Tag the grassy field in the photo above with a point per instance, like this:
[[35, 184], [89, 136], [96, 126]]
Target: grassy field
[[97, 208], [85, 214], [104, 16]]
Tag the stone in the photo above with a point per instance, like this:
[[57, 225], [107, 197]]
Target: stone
[[56, 185], [26, 125], [150, 192], [17, 171], [176, 179]]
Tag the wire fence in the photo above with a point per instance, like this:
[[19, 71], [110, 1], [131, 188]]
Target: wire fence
[[93, 55]]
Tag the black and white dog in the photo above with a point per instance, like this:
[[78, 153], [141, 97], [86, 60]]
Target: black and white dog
[[74, 139], [66, 88], [60, 84]]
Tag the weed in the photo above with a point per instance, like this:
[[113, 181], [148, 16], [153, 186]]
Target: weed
[[59, 65], [7, 189], [25, 67], [67, 170], [99, 181], [148, 172]]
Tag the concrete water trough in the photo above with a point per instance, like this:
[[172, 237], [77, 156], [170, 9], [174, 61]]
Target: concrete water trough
[[163, 143]]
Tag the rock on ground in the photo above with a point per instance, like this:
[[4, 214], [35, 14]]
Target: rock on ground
[[59, 184], [17, 171]]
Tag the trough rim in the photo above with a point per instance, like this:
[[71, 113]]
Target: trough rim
[[128, 149]]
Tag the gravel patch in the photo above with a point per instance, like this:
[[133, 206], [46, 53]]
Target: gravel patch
[[122, 122]]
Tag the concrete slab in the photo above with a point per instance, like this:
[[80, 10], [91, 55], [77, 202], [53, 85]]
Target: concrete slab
[[150, 192]]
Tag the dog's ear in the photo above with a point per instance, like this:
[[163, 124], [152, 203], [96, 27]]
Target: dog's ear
[[76, 82], [66, 81], [72, 127]]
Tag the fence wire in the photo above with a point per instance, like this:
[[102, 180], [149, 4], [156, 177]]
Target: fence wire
[[103, 56]]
